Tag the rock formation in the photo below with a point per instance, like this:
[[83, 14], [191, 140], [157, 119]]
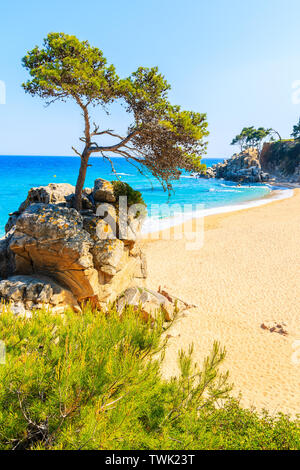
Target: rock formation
[[33, 292], [244, 167], [282, 160], [55, 256]]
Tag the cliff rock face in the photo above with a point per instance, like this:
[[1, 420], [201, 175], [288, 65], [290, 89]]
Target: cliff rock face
[[243, 168], [282, 160], [47, 241]]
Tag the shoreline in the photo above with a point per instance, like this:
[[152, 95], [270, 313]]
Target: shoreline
[[281, 191]]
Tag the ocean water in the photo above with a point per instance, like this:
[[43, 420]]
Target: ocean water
[[20, 173]]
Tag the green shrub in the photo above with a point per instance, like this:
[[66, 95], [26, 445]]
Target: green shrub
[[124, 189], [92, 381]]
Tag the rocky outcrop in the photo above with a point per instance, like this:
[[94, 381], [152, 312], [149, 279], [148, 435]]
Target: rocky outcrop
[[81, 252], [244, 167], [25, 293], [282, 160], [50, 239], [51, 194]]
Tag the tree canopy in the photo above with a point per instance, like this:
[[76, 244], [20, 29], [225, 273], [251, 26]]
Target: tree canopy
[[251, 137], [162, 138]]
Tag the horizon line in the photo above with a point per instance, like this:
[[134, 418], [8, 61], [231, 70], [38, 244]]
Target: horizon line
[[75, 156]]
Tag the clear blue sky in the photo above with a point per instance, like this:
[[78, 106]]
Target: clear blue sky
[[236, 60]]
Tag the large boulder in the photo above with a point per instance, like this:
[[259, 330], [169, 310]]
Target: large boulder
[[148, 301], [54, 193], [152, 303], [50, 239], [103, 191], [107, 255]]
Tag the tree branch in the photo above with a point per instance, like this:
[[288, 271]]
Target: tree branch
[[113, 148], [111, 164], [76, 151], [107, 131]]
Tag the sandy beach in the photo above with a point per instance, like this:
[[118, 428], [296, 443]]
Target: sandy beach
[[247, 274]]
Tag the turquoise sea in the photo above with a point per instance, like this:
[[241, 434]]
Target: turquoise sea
[[20, 173]]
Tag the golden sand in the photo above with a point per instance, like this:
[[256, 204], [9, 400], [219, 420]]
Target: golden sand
[[246, 274]]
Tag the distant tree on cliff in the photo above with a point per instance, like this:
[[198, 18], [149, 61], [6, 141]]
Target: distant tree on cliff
[[251, 137], [241, 139], [296, 131], [162, 137]]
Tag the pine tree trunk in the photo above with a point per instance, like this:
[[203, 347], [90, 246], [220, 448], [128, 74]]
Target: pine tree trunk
[[80, 181]]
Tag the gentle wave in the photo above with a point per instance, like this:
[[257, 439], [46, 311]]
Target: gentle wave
[[244, 186], [192, 176], [214, 190], [156, 224]]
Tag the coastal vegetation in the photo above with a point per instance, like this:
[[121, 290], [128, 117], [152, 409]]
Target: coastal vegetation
[[92, 381], [121, 188], [254, 138], [162, 138], [275, 155]]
